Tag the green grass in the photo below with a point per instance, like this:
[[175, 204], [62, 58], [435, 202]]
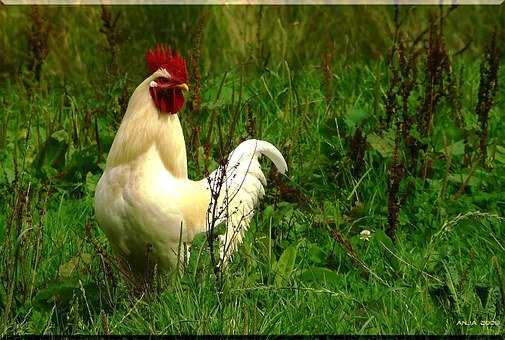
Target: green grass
[[290, 276]]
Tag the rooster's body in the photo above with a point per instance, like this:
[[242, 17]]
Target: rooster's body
[[145, 202]]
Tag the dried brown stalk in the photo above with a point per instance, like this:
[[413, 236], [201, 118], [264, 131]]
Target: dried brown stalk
[[487, 91], [110, 30], [38, 40]]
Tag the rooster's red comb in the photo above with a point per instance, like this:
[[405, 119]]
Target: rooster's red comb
[[162, 56]]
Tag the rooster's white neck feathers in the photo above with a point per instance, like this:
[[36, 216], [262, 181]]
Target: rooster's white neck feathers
[[144, 127]]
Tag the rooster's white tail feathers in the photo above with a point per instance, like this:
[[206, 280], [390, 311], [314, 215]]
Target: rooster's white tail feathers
[[236, 189], [253, 148]]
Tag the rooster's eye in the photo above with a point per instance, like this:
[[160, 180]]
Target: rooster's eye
[[162, 80]]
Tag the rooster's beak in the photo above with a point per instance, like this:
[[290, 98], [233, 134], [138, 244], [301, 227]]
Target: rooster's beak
[[183, 87]]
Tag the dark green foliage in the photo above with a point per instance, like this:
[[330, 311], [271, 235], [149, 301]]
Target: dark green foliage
[[377, 140]]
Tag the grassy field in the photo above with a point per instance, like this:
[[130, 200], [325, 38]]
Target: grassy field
[[391, 121]]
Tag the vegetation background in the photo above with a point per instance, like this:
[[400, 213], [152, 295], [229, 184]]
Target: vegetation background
[[391, 120]]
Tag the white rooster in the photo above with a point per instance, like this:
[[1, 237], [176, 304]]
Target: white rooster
[[144, 199]]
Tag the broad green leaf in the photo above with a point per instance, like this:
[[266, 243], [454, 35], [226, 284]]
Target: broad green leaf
[[500, 154], [460, 178], [285, 265], [67, 268], [21, 134], [60, 293], [60, 135], [320, 275], [86, 258], [354, 117], [382, 145], [316, 254], [455, 149], [268, 212], [52, 153]]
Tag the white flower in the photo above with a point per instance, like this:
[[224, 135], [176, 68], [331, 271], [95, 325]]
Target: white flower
[[365, 235]]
